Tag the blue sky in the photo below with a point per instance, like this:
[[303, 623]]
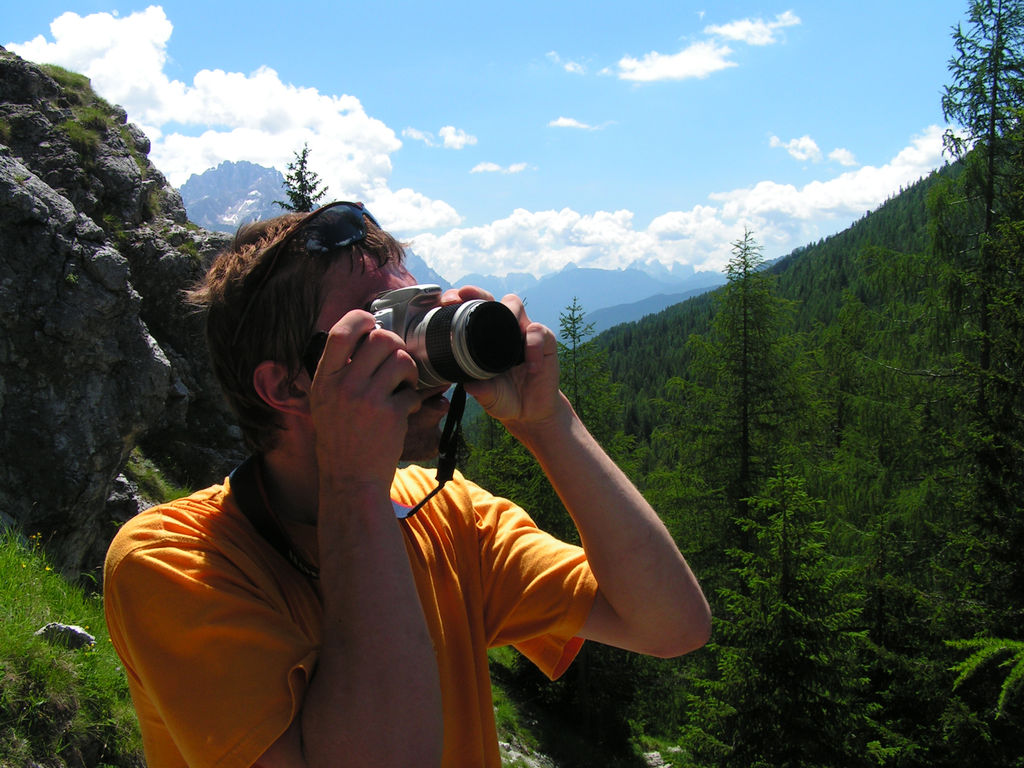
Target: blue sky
[[520, 137]]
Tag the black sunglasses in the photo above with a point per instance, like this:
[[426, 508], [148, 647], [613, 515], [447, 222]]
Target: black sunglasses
[[326, 229]]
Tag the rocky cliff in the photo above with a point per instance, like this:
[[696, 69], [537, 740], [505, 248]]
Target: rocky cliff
[[97, 351]]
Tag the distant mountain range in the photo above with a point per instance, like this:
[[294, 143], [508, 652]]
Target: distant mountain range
[[223, 198], [608, 296]]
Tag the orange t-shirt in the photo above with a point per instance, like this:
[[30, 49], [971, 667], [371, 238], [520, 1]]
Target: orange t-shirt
[[219, 634]]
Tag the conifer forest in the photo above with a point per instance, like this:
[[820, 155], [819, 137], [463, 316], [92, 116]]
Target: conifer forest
[[836, 441]]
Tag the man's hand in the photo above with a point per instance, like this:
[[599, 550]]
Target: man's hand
[[364, 388], [528, 393]]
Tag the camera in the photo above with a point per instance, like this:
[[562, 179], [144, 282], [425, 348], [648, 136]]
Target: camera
[[454, 343]]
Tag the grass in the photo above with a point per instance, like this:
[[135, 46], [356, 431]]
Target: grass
[[85, 139], [93, 115], [58, 707], [78, 86], [152, 483]]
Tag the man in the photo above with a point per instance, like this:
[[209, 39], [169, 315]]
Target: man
[[289, 617]]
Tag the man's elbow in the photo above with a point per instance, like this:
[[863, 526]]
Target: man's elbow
[[693, 632]]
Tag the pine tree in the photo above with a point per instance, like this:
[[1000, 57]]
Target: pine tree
[[586, 380], [302, 185], [985, 102], [790, 689], [986, 649], [979, 225], [746, 399]]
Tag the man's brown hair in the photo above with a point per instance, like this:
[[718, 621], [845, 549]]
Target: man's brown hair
[[252, 316]]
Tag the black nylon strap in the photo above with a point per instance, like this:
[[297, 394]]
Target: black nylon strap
[[247, 488], [246, 485], [448, 451]]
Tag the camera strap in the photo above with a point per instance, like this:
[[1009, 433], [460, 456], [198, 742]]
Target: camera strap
[[448, 450], [247, 487]]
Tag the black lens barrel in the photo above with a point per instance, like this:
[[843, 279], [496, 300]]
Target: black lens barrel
[[471, 341]]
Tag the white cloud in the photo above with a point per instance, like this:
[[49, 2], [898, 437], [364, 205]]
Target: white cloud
[[802, 149], [697, 61], [254, 117], [495, 168], [449, 137], [570, 122], [754, 31], [704, 57], [455, 138], [124, 57], [533, 241], [851, 193], [806, 149], [781, 217], [573, 67], [417, 135], [842, 156]]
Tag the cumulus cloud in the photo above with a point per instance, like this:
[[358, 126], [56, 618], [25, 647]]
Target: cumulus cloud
[[781, 216], [754, 31], [573, 67], [806, 149], [696, 61], [534, 241], [448, 137], [417, 135], [703, 58], [125, 57], [803, 149], [842, 156], [255, 116], [455, 138], [495, 168], [571, 122], [851, 193]]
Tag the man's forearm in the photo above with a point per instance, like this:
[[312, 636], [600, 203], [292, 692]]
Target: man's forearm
[[647, 583], [375, 699]]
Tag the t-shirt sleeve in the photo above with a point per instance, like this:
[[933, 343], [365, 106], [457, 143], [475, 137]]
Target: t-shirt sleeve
[[217, 654], [538, 591]]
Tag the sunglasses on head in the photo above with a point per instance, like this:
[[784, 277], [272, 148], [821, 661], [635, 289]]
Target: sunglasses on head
[[326, 229]]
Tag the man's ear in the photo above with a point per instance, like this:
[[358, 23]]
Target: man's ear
[[280, 390]]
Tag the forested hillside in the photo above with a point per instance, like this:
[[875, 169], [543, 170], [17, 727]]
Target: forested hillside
[[645, 354], [837, 444]]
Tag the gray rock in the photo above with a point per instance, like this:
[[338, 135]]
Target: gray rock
[[97, 352], [69, 635]]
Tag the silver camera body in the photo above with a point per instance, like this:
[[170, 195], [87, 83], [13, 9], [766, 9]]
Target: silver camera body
[[454, 343]]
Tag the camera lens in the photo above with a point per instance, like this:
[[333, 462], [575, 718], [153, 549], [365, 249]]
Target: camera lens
[[466, 342]]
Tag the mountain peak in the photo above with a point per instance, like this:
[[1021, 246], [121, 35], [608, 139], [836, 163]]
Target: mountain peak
[[232, 194]]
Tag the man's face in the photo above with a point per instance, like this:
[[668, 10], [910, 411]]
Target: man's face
[[351, 286]]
